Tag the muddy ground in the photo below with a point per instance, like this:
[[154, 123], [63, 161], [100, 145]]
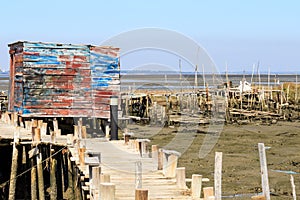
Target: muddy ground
[[241, 168]]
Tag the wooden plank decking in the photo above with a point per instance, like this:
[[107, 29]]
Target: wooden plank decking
[[119, 161]]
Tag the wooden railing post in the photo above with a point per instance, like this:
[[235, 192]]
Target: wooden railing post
[[180, 178], [208, 192], [141, 194], [107, 191], [196, 185]]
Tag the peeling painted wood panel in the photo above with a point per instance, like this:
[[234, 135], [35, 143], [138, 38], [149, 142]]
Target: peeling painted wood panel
[[64, 79]]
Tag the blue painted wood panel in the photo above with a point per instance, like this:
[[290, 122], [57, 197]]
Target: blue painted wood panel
[[63, 79]]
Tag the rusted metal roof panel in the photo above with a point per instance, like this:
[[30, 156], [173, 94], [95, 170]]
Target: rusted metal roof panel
[[63, 79]]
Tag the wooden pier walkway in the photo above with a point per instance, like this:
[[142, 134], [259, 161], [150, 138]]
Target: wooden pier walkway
[[120, 162]]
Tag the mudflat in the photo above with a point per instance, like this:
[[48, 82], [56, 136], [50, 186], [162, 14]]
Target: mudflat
[[239, 143]]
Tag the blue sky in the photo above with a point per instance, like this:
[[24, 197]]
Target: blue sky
[[240, 33]]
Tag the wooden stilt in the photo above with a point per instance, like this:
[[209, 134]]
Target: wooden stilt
[[160, 159], [53, 185], [40, 177], [70, 179], [55, 125], [37, 135], [76, 132], [70, 139], [44, 129], [14, 167], [141, 194], [52, 137], [24, 156], [33, 184], [40, 123], [83, 132]]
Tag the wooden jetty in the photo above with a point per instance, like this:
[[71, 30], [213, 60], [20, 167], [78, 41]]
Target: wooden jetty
[[90, 168]]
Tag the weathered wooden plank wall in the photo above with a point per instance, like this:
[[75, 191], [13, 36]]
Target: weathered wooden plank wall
[[63, 79]]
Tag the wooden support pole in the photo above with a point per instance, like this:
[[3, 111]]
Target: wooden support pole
[[208, 192], [79, 123], [55, 125], [96, 171], [160, 159], [76, 136], [196, 185], [293, 188], [70, 178], [53, 185], [107, 191], [171, 166], [37, 135], [40, 124], [104, 178], [264, 171], [141, 194], [44, 129], [70, 139], [20, 121], [154, 154], [180, 178], [107, 130], [52, 137], [14, 167], [34, 123], [83, 132], [81, 156], [40, 177], [260, 197], [27, 125], [218, 176], [24, 161], [33, 184]]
